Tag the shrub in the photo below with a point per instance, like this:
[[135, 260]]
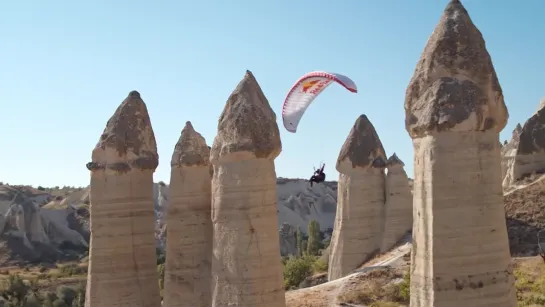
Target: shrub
[[319, 266], [161, 256], [161, 273], [66, 294], [32, 300], [296, 270], [60, 303], [72, 269]]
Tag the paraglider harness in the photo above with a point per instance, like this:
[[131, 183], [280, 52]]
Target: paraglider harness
[[541, 243], [319, 175]]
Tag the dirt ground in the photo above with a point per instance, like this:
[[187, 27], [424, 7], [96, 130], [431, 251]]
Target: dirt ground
[[525, 214]]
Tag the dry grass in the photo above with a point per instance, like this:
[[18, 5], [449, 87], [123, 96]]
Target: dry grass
[[68, 274], [379, 288], [530, 282]]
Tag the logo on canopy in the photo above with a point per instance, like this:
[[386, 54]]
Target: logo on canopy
[[307, 85]]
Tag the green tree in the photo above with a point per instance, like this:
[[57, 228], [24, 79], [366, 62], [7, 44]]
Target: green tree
[[313, 245], [299, 234]]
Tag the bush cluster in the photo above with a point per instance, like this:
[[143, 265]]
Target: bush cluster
[[18, 293]]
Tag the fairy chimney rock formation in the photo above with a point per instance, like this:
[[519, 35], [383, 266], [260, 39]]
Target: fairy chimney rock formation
[[189, 232], [454, 112], [399, 204], [528, 154], [508, 154], [246, 265], [360, 202], [122, 250]]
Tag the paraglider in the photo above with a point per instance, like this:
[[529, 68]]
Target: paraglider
[[319, 175], [305, 90]]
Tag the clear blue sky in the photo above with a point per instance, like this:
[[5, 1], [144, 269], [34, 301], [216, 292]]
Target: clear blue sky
[[66, 66]]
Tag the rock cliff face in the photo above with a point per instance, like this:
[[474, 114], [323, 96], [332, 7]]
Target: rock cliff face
[[122, 252], [246, 265], [525, 153], [189, 232], [454, 112], [359, 220]]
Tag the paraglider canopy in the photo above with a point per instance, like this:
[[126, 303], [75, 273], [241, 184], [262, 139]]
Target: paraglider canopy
[[305, 90]]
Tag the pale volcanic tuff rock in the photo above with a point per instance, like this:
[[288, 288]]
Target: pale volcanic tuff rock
[[399, 204], [508, 154], [529, 153], [246, 265], [123, 266], [359, 220], [454, 113], [189, 231]]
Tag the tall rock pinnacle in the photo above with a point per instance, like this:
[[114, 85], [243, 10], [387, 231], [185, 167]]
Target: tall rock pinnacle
[[454, 86], [362, 147], [189, 231], [454, 112], [247, 126], [191, 149], [399, 204], [359, 220], [122, 250], [128, 138], [246, 265]]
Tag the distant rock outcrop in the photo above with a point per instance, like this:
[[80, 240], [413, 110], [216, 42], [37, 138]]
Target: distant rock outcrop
[[246, 265], [299, 203], [359, 220], [42, 229], [123, 265], [189, 232], [528, 149], [399, 204], [454, 111]]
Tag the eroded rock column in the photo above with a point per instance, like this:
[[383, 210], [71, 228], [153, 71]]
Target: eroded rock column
[[189, 232], [454, 112], [528, 150], [122, 260], [508, 155], [399, 204], [359, 221], [246, 265]]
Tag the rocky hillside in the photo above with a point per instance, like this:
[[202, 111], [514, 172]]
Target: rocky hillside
[[37, 226], [525, 211], [50, 224], [54, 224]]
